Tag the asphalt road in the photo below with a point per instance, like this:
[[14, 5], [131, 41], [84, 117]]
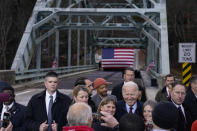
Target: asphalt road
[[66, 85]]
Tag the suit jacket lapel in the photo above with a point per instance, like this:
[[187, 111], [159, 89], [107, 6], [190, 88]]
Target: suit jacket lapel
[[123, 106], [43, 105]]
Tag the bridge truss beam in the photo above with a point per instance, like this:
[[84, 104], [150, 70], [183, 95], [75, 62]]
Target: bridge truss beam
[[147, 19]]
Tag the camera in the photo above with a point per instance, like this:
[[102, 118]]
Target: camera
[[97, 117], [6, 119]]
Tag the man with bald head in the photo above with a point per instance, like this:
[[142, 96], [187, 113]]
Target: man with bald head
[[129, 104]]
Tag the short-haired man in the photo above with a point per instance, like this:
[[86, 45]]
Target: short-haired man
[[128, 75], [16, 110], [47, 110], [129, 104], [191, 98], [164, 93], [100, 85], [85, 81], [178, 94]]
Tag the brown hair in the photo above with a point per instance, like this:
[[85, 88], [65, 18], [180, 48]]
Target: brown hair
[[151, 103], [169, 75], [105, 101], [79, 88], [177, 83]]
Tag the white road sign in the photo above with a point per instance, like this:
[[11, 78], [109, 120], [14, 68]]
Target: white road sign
[[187, 52]]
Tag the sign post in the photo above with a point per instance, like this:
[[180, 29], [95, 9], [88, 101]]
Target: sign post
[[187, 55]]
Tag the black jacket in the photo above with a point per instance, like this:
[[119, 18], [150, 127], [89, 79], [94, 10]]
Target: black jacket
[[92, 104], [97, 127], [179, 126], [117, 91], [162, 95], [121, 109], [191, 103], [17, 116], [36, 111]]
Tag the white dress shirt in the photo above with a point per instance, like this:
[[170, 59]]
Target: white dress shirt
[[4, 109], [134, 107], [167, 90], [47, 99]]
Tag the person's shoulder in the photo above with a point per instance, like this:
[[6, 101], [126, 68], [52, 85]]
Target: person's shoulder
[[63, 96], [38, 95], [189, 94], [161, 91], [119, 84], [19, 105], [120, 103], [113, 96], [140, 104], [95, 96]]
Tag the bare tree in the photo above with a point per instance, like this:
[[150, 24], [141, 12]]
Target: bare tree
[[5, 26]]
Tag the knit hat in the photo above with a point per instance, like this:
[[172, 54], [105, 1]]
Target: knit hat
[[77, 128], [194, 126], [99, 81], [165, 115]]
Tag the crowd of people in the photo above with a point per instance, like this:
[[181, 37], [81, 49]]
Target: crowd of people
[[125, 109]]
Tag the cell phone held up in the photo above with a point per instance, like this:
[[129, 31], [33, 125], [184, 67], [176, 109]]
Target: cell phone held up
[[6, 119], [97, 117]]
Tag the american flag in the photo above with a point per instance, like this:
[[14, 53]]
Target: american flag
[[118, 57]]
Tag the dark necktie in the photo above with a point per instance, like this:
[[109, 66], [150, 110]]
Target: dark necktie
[[182, 117], [130, 111], [50, 119]]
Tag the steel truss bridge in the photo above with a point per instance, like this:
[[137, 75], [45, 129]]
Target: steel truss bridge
[[87, 24]]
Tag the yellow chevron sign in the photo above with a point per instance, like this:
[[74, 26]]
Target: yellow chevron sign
[[187, 73]]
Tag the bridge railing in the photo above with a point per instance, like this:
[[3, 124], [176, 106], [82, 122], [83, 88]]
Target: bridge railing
[[35, 74], [159, 77]]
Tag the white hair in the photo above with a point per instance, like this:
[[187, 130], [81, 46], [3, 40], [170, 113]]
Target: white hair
[[79, 114], [130, 84]]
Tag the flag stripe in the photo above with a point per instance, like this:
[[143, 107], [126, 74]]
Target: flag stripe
[[118, 60], [117, 63], [124, 50], [128, 57], [123, 54], [117, 66]]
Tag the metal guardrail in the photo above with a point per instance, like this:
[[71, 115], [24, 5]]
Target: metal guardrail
[[154, 74], [36, 74]]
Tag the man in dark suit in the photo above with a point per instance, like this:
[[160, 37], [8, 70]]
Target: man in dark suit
[[128, 75], [16, 110], [164, 93], [129, 104], [178, 94], [47, 110], [191, 98]]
